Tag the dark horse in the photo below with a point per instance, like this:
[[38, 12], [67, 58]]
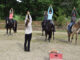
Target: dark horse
[[48, 28], [11, 25]]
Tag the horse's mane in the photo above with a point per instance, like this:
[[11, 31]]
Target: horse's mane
[[77, 23]]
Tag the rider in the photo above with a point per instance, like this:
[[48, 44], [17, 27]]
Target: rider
[[50, 15], [45, 15], [11, 15], [73, 18]]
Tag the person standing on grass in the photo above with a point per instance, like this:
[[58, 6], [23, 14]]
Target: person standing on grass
[[28, 31], [11, 15]]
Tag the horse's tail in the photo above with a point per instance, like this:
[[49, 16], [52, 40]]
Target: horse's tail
[[15, 26]]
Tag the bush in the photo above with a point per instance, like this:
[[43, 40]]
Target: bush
[[39, 18], [61, 20], [19, 17]]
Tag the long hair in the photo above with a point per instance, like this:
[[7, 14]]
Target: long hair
[[27, 21]]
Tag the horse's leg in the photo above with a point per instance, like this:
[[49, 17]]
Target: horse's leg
[[53, 35], [72, 37], [10, 31], [7, 30], [76, 38], [50, 35], [45, 36], [42, 32], [68, 37]]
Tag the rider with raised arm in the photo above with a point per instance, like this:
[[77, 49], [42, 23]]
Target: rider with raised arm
[[73, 15], [73, 18], [11, 15], [50, 15]]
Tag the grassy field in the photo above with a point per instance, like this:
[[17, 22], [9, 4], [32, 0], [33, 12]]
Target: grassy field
[[11, 47]]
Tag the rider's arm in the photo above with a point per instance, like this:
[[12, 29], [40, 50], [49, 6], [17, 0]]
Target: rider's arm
[[26, 18], [52, 10], [48, 10], [72, 13], [30, 18]]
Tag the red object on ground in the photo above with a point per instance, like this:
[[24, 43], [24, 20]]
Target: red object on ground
[[55, 56]]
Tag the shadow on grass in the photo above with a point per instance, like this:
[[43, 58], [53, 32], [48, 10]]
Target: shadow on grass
[[62, 40], [20, 45]]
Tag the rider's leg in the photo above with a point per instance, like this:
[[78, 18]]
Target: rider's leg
[[70, 26]]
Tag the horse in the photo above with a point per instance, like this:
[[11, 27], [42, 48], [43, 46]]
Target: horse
[[75, 30], [48, 28], [10, 25]]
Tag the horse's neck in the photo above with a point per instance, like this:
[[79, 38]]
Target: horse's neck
[[76, 25]]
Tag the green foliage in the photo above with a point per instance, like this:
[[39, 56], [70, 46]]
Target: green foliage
[[19, 17], [61, 20], [62, 8], [40, 18]]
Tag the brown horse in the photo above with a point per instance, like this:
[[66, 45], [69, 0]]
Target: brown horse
[[75, 30]]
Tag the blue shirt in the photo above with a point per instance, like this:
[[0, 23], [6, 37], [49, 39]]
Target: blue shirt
[[50, 15]]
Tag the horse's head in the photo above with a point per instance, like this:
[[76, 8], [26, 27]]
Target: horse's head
[[7, 21]]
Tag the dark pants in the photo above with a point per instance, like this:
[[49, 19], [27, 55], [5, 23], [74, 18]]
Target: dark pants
[[27, 42]]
